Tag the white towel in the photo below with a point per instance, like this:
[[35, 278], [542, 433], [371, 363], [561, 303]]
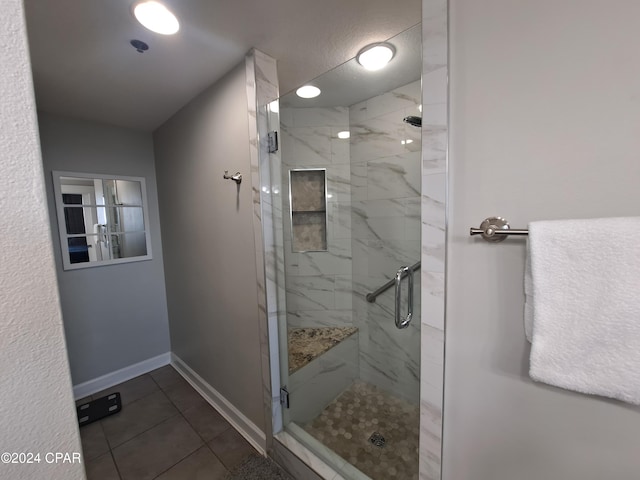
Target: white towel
[[582, 305]]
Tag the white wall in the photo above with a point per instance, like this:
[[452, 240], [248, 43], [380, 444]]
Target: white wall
[[208, 238], [37, 413], [545, 110], [114, 316]]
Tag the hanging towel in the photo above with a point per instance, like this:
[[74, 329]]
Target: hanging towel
[[582, 305]]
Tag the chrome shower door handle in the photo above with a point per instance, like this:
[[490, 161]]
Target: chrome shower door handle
[[403, 322]]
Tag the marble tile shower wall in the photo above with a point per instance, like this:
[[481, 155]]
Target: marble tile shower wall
[[319, 284], [435, 73], [262, 87], [434, 179], [386, 184]]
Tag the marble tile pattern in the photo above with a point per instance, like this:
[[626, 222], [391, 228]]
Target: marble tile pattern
[[273, 227], [308, 455], [306, 344], [318, 283], [385, 219], [318, 383], [435, 73], [347, 424], [326, 298], [262, 88]]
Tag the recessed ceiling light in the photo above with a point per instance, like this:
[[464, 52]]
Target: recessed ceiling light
[[376, 56], [308, 91], [344, 134], [156, 17]]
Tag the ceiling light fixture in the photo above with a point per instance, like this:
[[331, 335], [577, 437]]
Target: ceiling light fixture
[[308, 91], [376, 56], [156, 17], [344, 134]]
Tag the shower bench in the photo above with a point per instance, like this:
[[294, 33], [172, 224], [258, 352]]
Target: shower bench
[[307, 344], [323, 362]]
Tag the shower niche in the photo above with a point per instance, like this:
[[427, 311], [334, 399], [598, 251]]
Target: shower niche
[[308, 198]]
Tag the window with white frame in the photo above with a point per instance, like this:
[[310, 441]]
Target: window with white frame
[[102, 219]]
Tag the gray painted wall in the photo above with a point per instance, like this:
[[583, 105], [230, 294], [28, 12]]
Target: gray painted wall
[[114, 316], [545, 108], [208, 239], [32, 351]]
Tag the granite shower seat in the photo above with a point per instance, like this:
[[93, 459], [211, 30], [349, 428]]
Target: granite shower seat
[[307, 344], [323, 362]]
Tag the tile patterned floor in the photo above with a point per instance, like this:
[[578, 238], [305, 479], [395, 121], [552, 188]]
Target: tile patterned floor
[[348, 422], [164, 431]]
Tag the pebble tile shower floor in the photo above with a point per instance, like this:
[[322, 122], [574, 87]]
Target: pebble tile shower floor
[[347, 424]]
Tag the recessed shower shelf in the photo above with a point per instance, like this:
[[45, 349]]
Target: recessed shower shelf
[[308, 198]]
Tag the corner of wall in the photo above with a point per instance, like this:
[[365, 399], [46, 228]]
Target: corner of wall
[[32, 346]]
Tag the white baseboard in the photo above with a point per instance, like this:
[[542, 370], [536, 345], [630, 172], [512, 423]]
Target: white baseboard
[[114, 378], [242, 424]]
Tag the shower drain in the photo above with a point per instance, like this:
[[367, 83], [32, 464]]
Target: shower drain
[[377, 439]]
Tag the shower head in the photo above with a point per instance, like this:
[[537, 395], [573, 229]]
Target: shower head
[[415, 121]]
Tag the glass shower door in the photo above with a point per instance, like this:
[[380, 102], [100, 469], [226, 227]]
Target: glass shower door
[[349, 191]]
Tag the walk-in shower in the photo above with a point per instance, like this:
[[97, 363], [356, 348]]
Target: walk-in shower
[[345, 218]]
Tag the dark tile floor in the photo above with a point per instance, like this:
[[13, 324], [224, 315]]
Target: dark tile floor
[[165, 430]]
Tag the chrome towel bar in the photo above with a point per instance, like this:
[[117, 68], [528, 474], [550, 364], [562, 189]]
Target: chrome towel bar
[[496, 229]]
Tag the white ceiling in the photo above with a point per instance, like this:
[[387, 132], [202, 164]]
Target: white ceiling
[[350, 83], [85, 67]]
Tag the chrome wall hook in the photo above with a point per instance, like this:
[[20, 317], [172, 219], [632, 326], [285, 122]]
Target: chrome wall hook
[[237, 177]]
